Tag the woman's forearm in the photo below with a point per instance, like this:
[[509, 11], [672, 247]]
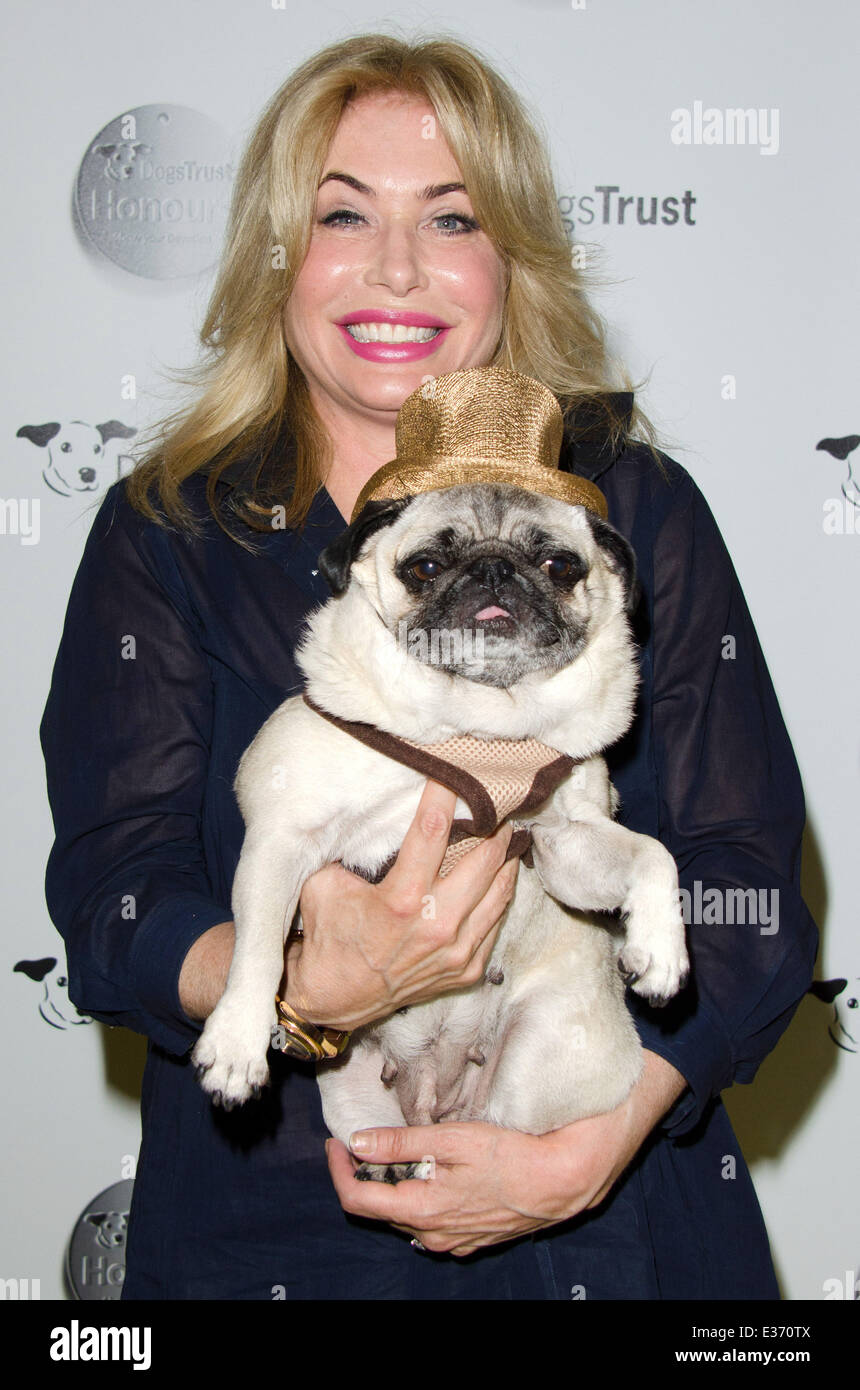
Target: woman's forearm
[[203, 976], [657, 1089], [655, 1092], [623, 1130]]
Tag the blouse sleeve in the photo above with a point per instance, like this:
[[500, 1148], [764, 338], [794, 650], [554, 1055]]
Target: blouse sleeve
[[125, 736], [731, 811]]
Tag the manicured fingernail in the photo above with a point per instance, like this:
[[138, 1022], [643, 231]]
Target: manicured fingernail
[[363, 1142]]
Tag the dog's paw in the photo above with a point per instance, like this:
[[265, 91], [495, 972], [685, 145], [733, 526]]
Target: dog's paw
[[657, 973], [229, 1067], [394, 1172], [653, 958]]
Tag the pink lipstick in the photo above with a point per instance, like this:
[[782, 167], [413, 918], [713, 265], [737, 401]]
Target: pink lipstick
[[381, 351]]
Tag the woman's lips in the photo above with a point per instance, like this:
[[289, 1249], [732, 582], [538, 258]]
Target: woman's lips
[[392, 352]]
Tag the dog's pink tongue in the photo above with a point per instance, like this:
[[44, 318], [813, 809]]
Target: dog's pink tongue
[[493, 612]]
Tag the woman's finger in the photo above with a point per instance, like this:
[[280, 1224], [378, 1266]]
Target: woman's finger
[[414, 871], [462, 891], [479, 930]]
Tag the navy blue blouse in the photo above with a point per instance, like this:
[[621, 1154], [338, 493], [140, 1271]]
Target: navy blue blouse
[[174, 652]]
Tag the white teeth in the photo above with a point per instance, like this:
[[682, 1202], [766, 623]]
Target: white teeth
[[390, 333]]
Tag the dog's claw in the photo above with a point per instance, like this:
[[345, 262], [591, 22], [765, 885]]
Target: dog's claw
[[389, 1172], [658, 1001]]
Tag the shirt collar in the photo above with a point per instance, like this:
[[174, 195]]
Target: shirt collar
[[587, 448]]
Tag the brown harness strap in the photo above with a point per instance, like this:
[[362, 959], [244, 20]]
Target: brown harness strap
[[498, 778]]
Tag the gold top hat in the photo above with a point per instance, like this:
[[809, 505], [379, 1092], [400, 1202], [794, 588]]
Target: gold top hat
[[481, 425]]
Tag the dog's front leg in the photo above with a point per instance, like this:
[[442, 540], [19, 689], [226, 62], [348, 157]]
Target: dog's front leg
[[230, 1055], [592, 863]]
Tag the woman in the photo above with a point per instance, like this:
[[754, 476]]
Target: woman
[[389, 184]]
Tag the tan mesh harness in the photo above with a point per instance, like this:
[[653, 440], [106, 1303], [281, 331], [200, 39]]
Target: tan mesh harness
[[499, 779]]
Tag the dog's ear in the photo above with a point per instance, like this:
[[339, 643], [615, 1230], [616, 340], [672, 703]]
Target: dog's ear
[[338, 558], [115, 429], [826, 990], [36, 969], [619, 555], [38, 434]]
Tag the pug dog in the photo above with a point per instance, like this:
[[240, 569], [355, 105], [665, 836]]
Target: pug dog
[[546, 1037]]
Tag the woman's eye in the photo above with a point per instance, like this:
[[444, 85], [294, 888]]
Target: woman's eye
[[557, 567], [334, 218], [425, 569], [467, 224]]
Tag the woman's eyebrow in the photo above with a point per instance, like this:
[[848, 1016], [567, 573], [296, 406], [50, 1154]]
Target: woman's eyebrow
[[433, 190]]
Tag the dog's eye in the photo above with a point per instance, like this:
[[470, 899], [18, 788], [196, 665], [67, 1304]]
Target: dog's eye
[[852, 1003], [66, 448], [425, 569], [557, 567]]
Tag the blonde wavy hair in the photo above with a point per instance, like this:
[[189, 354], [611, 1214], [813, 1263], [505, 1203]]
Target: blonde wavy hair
[[252, 395]]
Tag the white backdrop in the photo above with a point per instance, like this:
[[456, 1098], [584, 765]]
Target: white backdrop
[[742, 314]]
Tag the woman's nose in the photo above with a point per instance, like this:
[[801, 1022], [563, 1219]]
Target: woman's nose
[[396, 260]]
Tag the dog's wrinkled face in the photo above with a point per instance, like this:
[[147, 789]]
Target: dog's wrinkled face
[[486, 581]]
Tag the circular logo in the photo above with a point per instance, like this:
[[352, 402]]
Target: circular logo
[[153, 191], [95, 1260]]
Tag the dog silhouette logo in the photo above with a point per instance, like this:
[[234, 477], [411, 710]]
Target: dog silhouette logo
[[121, 157], [95, 1256], [844, 1026], [842, 449], [55, 1006], [78, 457]]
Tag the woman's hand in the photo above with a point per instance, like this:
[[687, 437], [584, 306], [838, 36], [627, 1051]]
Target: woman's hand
[[493, 1184], [369, 949]]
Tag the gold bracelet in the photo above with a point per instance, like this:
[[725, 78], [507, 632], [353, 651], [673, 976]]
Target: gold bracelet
[[309, 1041]]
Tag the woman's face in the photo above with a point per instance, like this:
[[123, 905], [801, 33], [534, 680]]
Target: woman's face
[[395, 247]]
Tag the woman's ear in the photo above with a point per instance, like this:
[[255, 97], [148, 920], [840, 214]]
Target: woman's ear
[[337, 559]]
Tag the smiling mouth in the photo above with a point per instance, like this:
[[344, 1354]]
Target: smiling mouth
[[390, 333]]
